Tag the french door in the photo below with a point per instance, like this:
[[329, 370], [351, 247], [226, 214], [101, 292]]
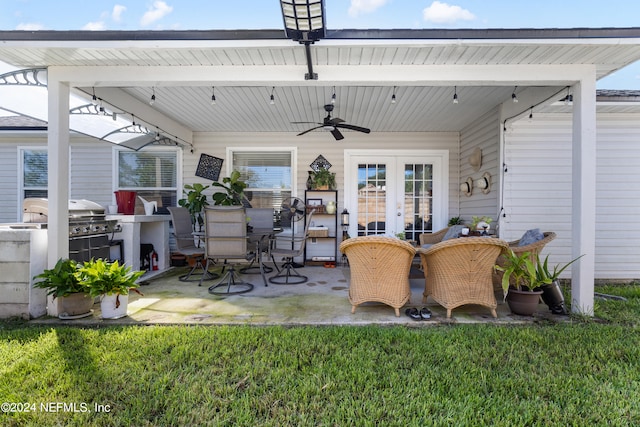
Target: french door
[[392, 192]]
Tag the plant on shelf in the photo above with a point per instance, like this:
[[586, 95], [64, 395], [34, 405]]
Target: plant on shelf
[[234, 190], [195, 202], [112, 282], [324, 180], [62, 281]]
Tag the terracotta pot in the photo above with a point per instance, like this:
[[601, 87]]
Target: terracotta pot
[[524, 303]]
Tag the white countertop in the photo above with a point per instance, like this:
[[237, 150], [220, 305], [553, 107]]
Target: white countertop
[[139, 218]]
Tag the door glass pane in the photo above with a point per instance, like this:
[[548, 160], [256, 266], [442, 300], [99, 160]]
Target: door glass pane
[[418, 200], [371, 199]]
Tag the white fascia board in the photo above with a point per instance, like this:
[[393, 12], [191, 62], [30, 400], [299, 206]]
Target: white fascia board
[[362, 75]]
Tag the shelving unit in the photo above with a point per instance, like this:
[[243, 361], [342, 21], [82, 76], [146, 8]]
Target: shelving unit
[[319, 250]]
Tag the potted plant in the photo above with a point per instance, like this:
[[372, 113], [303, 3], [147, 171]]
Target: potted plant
[[520, 282], [234, 190], [62, 282], [456, 220], [551, 292], [480, 224], [112, 282], [324, 180], [195, 202]]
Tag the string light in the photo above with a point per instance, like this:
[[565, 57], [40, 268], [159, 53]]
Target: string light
[[393, 97], [272, 99], [514, 98], [213, 95], [94, 98], [531, 113], [153, 96], [455, 94], [333, 97]]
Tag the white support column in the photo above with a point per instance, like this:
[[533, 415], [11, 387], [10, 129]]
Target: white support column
[[58, 164], [584, 195]]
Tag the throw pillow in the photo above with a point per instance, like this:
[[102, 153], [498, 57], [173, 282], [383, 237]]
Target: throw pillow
[[453, 232], [531, 236]]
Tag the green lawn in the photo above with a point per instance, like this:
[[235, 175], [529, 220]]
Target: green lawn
[[585, 372]]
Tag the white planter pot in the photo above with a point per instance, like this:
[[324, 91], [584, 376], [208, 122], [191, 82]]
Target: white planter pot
[[109, 309]]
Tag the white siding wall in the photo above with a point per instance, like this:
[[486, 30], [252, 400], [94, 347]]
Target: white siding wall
[[537, 188], [313, 144], [91, 169], [485, 134]]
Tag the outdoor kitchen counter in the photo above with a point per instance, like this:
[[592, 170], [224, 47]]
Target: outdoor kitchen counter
[[138, 229]]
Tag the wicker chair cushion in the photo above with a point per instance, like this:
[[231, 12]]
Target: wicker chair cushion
[[453, 232], [531, 236]]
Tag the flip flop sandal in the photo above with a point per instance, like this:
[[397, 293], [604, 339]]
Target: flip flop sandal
[[425, 313], [413, 313]]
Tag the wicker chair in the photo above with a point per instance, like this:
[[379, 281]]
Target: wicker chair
[[379, 269], [459, 272], [433, 238]]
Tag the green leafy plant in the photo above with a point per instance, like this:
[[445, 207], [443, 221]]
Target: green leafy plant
[[234, 190], [62, 280], [519, 272], [456, 220], [108, 278], [475, 220], [546, 276], [323, 178], [195, 202]]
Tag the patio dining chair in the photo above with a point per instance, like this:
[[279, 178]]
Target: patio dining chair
[[258, 218], [226, 239], [379, 268], [459, 272], [287, 274], [183, 232]]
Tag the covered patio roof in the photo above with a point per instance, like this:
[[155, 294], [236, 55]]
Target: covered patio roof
[[364, 68]]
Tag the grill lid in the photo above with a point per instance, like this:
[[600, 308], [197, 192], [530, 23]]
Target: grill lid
[[37, 209]]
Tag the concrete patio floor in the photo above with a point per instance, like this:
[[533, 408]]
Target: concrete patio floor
[[322, 300]]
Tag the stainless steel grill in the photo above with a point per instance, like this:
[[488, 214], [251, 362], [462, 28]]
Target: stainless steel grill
[[88, 226]]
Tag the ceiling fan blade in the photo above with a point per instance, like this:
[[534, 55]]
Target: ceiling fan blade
[[336, 120], [352, 127], [309, 130], [305, 123], [336, 134]]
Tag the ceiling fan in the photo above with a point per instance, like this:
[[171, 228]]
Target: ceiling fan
[[333, 125]]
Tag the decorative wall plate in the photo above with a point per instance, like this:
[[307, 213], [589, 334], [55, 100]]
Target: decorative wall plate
[[209, 167]]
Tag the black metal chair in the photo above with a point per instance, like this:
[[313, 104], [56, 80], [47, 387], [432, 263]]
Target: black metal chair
[[288, 275]]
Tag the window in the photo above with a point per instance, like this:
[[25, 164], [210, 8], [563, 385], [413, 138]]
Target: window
[[34, 172], [151, 173], [268, 174]]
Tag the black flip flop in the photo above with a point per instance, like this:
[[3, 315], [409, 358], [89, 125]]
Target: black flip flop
[[425, 313], [413, 313]]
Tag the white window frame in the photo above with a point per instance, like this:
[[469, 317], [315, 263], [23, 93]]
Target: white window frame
[[116, 170], [294, 161], [21, 184]]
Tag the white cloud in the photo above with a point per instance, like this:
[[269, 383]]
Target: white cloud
[[117, 12], [443, 13], [158, 11], [94, 26], [30, 27], [365, 6]]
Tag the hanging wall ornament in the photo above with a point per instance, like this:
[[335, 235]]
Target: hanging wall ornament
[[320, 163]]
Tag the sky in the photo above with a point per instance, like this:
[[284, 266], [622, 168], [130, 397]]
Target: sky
[[100, 15]]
